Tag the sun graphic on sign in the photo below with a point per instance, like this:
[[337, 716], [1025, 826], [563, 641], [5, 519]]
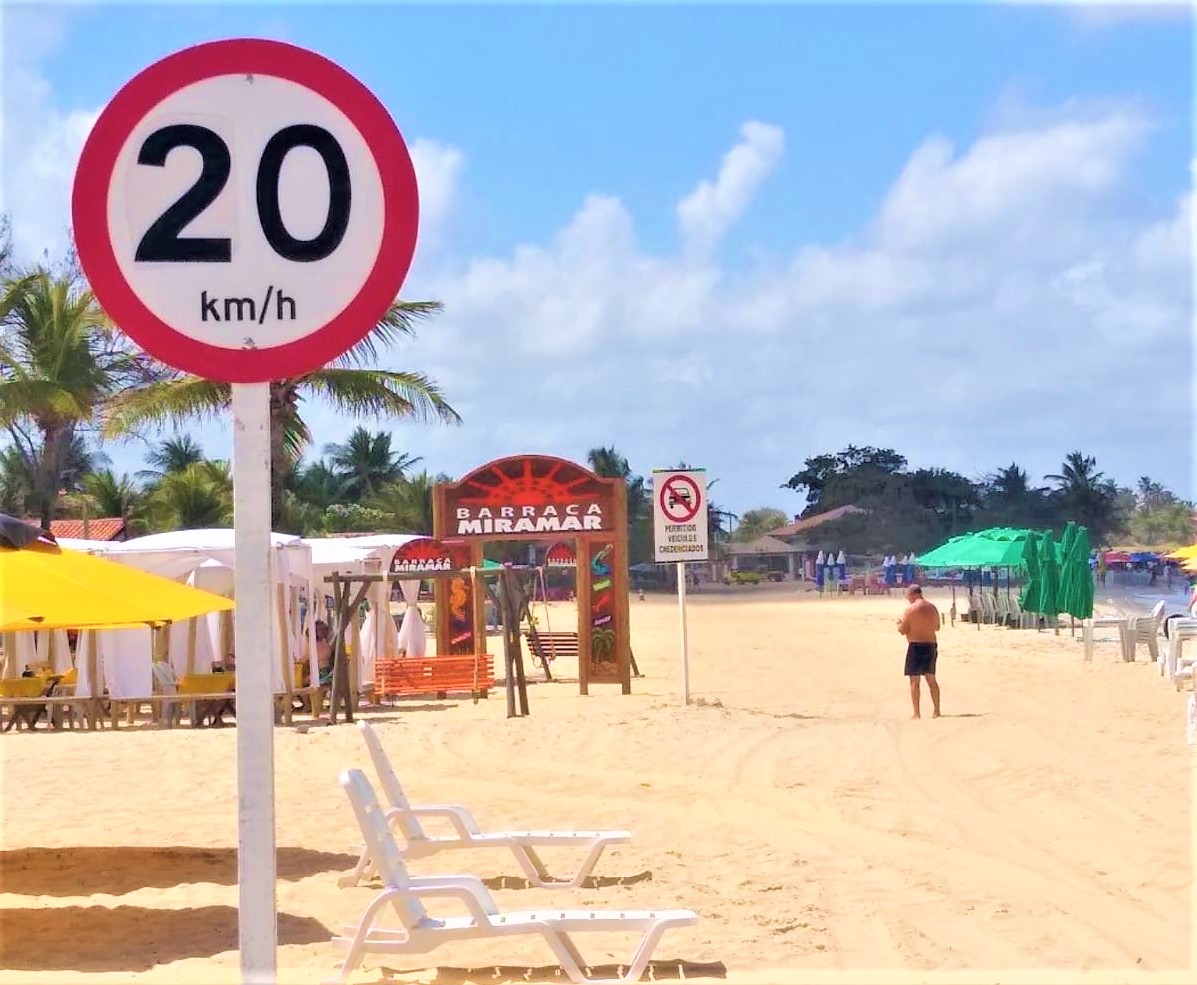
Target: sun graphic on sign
[[529, 481]]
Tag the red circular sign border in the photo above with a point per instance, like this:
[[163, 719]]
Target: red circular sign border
[[244, 56], [697, 497]]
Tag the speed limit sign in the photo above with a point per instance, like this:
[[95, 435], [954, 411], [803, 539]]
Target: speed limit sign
[[245, 210]]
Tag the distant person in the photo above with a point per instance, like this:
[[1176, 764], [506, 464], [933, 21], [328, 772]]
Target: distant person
[[919, 624], [324, 654]]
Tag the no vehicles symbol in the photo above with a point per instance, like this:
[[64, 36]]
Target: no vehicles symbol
[[680, 499]]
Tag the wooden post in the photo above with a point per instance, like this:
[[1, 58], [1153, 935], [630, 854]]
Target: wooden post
[[189, 660], [583, 603], [284, 651], [619, 585]]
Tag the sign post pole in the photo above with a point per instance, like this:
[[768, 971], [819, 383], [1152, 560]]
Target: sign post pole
[[681, 605], [258, 926], [680, 534], [206, 133]]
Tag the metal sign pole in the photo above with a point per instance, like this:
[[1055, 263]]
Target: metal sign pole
[[257, 925], [681, 603]]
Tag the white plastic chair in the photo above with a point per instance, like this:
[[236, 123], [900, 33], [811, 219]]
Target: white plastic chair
[[1146, 629], [420, 933], [467, 834]]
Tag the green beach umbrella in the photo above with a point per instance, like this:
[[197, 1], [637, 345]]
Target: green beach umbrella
[[1029, 599], [1049, 575], [1066, 569], [1079, 600]]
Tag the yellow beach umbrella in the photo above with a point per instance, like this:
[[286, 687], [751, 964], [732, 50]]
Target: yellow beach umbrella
[[1185, 553], [44, 586], [1189, 565]]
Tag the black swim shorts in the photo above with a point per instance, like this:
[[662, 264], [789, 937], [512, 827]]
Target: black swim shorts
[[920, 659]]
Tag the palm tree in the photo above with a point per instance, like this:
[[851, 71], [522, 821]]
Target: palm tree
[[366, 462], [1086, 495], [610, 464], [16, 490], [757, 522], [172, 455], [347, 383], [113, 496], [199, 496], [59, 364], [316, 484], [409, 502]]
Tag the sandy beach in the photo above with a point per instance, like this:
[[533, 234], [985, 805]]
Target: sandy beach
[[1040, 831]]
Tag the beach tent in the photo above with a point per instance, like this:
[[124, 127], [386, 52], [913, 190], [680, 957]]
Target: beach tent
[[47, 588], [205, 559]]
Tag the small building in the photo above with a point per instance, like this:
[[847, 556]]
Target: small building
[[767, 555]]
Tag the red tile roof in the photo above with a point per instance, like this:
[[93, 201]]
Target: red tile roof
[[102, 528]]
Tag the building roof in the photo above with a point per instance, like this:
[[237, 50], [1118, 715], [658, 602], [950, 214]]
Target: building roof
[[827, 516], [101, 528], [763, 545]]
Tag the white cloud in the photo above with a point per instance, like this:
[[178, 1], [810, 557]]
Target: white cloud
[[1112, 13], [993, 309], [709, 211], [40, 146], [438, 173], [1002, 302]]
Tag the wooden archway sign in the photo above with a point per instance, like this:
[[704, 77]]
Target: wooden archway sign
[[539, 497]]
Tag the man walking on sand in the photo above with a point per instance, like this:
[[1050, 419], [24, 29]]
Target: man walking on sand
[[918, 624]]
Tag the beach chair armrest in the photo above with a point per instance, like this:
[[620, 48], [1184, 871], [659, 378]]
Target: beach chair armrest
[[456, 815], [469, 890]]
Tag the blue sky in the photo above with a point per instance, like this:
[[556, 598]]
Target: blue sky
[[1007, 184]]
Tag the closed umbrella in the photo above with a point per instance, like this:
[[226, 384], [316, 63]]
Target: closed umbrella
[[1049, 567], [1031, 594], [1079, 602], [841, 563], [1067, 570], [819, 571]]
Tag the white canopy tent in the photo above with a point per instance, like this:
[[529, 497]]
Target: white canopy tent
[[205, 559], [363, 555]]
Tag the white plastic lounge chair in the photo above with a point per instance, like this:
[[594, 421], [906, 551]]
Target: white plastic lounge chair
[[467, 834], [421, 933], [1179, 667]]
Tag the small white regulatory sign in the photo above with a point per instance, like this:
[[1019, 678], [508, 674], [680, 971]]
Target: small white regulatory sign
[[680, 515]]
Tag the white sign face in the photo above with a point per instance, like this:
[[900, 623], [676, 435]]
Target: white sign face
[[238, 228], [680, 515], [245, 210]]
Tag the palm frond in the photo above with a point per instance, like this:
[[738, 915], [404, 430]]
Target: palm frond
[[381, 393], [44, 400], [171, 402], [400, 321]]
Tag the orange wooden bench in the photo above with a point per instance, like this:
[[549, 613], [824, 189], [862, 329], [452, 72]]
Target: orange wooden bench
[[396, 676]]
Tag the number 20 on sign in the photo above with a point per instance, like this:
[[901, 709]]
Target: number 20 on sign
[[245, 210]]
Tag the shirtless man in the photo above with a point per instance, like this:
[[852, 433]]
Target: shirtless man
[[919, 624]]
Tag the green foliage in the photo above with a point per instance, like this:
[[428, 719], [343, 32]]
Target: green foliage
[[353, 518], [757, 522]]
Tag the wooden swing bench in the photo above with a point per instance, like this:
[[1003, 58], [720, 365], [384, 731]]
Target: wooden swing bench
[[552, 645], [401, 676]]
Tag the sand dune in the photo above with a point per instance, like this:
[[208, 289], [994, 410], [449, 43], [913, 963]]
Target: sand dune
[[1040, 831]]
